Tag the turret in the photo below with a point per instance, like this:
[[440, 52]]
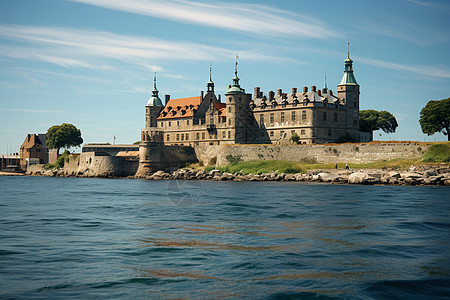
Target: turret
[[348, 93], [153, 107], [238, 109]]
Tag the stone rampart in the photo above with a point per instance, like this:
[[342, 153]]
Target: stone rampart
[[325, 153]]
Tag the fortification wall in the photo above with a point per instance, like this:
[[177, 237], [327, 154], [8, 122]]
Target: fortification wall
[[91, 164], [325, 153]]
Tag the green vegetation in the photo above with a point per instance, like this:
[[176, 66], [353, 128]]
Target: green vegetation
[[435, 117], [233, 159], [437, 153], [262, 166], [371, 120], [59, 162], [295, 138], [64, 135]]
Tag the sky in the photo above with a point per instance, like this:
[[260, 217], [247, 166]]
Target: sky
[[91, 62]]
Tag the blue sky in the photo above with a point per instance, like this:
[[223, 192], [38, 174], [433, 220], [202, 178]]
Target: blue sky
[[91, 62]]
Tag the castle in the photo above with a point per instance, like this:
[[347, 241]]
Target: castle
[[316, 116]]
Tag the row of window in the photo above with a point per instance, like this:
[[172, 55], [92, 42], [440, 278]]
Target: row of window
[[185, 136]]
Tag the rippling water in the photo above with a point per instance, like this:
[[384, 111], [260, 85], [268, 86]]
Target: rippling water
[[116, 238]]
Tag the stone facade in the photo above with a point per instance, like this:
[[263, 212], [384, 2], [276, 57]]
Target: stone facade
[[316, 116]]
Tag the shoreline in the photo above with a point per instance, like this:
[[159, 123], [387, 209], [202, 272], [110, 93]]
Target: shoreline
[[420, 175]]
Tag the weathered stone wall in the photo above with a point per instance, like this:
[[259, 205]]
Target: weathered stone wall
[[91, 164], [342, 153]]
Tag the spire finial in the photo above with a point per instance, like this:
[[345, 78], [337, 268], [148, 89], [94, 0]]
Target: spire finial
[[326, 81], [154, 81], [210, 70], [235, 68], [348, 48]]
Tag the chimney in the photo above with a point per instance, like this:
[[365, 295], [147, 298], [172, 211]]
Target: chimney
[[305, 89], [219, 98], [331, 92], [313, 88], [166, 100], [271, 94], [257, 92], [201, 98], [280, 92], [294, 90], [319, 92]]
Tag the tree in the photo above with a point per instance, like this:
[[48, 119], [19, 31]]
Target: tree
[[435, 117], [371, 120], [295, 138], [64, 135]]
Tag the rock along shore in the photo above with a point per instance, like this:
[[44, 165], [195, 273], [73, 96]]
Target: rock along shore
[[422, 175]]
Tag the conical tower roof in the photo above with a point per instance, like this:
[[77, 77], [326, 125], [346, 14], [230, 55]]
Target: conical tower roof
[[154, 99]]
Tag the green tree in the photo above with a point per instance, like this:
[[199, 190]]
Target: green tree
[[295, 138], [64, 135], [371, 120], [435, 117]]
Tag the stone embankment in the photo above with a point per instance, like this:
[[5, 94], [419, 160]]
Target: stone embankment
[[414, 176]]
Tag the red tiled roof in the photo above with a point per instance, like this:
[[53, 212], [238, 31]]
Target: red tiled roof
[[222, 108], [180, 108]]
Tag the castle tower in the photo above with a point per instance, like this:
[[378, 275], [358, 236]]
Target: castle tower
[[348, 93], [151, 136], [238, 109], [153, 107]]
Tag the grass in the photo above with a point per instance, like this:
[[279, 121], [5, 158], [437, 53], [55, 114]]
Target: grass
[[438, 153]]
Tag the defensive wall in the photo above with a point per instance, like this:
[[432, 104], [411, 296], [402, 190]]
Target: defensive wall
[[92, 164], [160, 157], [323, 153]]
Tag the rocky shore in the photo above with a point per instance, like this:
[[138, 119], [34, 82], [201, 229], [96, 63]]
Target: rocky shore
[[422, 175], [414, 176]]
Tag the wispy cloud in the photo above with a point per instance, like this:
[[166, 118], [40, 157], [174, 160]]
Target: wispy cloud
[[430, 4], [40, 111], [417, 69], [93, 49], [239, 17]]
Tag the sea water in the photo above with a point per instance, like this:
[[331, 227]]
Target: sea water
[[79, 238]]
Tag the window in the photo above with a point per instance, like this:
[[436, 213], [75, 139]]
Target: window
[[229, 122], [282, 116], [182, 137], [229, 134], [293, 116], [178, 123], [168, 137], [169, 123], [198, 135], [187, 136], [229, 108], [203, 135], [162, 124], [335, 117], [211, 120], [292, 132], [223, 134], [324, 115], [187, 122], [178, 137], [302, 132], [303, 115], [272, 117], [261, 120], [271, 134]]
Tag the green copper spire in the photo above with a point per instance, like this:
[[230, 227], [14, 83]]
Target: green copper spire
[[349, 77], [154, 99], [235, 88]]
